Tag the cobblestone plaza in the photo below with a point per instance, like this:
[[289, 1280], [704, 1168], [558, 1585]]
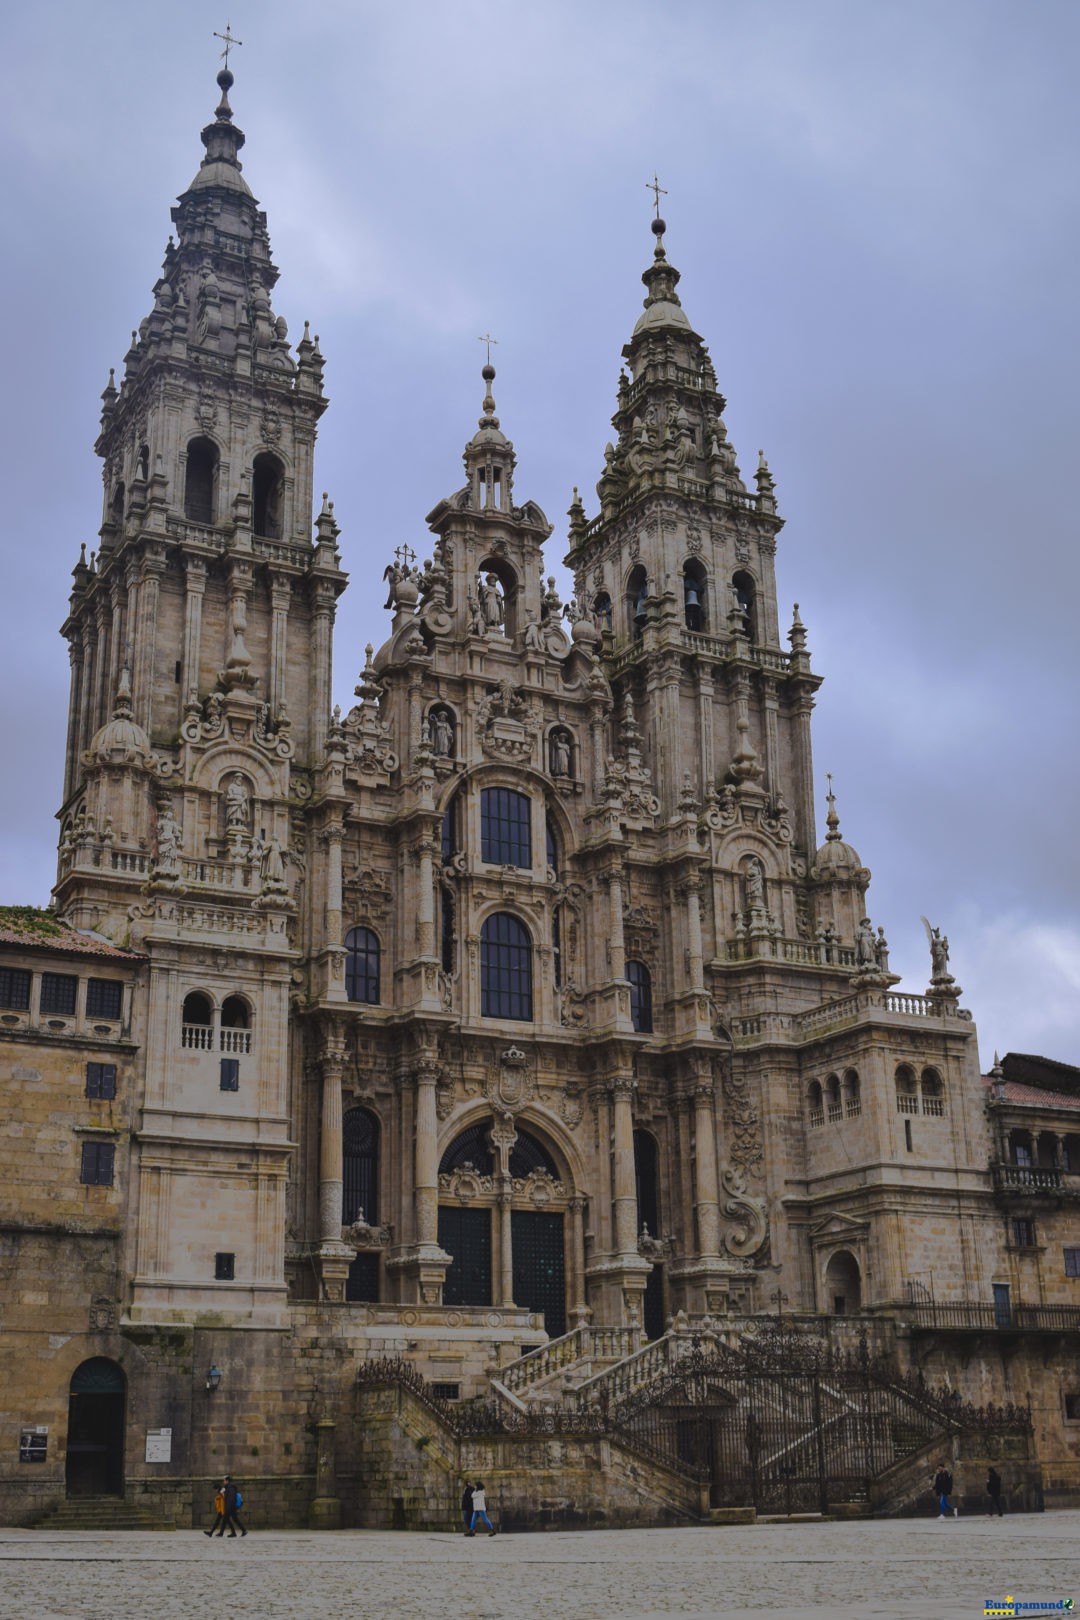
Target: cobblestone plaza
[[878, 1570]]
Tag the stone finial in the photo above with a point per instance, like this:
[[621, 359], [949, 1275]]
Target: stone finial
[[797, 633], [832, 820]]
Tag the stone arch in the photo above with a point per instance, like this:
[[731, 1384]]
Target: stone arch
[[843, 1284], [97, 1398], [512, 590]]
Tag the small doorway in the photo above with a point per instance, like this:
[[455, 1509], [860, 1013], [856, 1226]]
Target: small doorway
[[1002, 1306], [539, 1266], [95, 1443]]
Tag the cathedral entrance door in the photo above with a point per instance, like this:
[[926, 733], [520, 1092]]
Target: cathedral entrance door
[[466, 1234], [95, 1442], [539, 1266]]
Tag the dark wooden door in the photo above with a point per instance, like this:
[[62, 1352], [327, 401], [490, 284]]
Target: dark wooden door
[[539, 1266], [466, 1234]]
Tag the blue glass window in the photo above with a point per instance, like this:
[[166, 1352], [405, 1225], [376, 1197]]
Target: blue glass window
[[505, 968], [362, 965]]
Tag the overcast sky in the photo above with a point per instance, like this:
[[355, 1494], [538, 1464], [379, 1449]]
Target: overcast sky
[[874, 208]]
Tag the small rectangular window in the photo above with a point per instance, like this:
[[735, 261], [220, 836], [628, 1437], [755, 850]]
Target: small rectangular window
[[1023, 1234], [58, 993], [224, 1267], [15, 988], [1072, 1405], [101, 1080], [97, 1164], [103, 998], [230, 1074], [446, 1392], [1072, 1262]]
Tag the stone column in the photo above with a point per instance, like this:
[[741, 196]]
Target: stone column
[[89, 681], [103, 697], [153, 566], [334, 834], [194, 591], [616, 941], [707, 1207], [690, 890], [426, 908], [805, 830], [772, 746], [331, 1170], [322, 624], [624, 1189], [280, 597], [505, 1285], [74, 733], [426, 1166], [579, 1310]]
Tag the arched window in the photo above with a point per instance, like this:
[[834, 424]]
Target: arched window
[[197, 1022], [362, 965], [647, 1181], [116, 511], [505, 827], [143, 471], [470, 1149], [933, 1092], [843, 1286], [360, 1167], [527, 1155], [640, 997], [602, 614], [816, 1099], [746, 599], [451, 830], [833, 1106], [1021, 1148], [235, 1013], [505, 968], [907, 1091], [200, 481], [552, 844], [267, 485], [695, 607], [637, 592], [852, 1093]]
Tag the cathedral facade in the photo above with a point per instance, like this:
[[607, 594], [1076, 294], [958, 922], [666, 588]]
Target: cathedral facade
[[518, 1006]]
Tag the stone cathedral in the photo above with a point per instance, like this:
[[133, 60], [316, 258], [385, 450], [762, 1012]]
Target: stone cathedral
[[501, 1033]]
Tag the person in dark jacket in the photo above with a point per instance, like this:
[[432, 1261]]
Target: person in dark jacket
[[943, 1484], [466, 1505], [232, 1504], [993, 1490]]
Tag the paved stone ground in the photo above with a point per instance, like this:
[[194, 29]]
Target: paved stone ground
[[889, 1570]]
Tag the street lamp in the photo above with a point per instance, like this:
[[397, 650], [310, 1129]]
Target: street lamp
[[213, 1378]]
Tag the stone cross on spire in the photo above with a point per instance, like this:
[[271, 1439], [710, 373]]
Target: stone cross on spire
[[488, 340], [657, 190], [229, 40]]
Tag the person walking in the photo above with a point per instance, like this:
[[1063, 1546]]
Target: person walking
[[233, 1503], [993, 1490], [943, 1484], [219, 1509], [467, 1505], [479, 1509]]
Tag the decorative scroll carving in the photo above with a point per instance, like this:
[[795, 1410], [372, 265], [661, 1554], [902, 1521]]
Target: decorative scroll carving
[[743, 1125], [751, 1232]]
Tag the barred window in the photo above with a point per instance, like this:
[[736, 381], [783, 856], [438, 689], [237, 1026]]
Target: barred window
[[14, 988], [96, 1169], [640, 997], [101, 1080], [1023, 1232], [1072, 1262], [505, 830], [362, 965], [505, 968], [58, 993], [103, 998], [360, 1166]]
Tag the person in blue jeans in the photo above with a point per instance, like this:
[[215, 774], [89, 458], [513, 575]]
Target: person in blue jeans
[[943, 1484], [479, 1505]]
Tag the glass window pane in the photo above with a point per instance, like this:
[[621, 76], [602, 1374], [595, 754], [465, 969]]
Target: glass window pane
[[58, 993], [505, 827], [362, 965], [14, 987], [505, 968], [103, 998]]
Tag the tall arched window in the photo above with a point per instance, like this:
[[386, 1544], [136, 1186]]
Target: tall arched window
[[637, 592], [197, 1022], [200, 481], [267, 484], [745, 596], [852, 1094], [640, 997], [816, 1100], [362, 965], [907, 1094], [505, 827], [360, 1162], [695, 608], [647, 1179], [505, 968], [933, 1092]]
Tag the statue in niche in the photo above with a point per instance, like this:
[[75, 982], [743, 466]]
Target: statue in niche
[[755, 886], [273, 865], [168, 838], [560, 754], [442, 734], [491, 603], [237, 807]]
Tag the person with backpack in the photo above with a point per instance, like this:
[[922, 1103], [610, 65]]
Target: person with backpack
[[219, 1509], [234, 1501], [943, 1484]]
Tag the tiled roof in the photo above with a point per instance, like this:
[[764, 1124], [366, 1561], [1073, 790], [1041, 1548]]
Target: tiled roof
[[1036, 1096], [32, 929]]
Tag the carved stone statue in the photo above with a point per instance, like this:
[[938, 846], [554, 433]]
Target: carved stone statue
[[491, 603], [534, 640], [237, 808], [866, 945], [939, 953], [560, 754], [168, 838], [442, 734], [755, 886]]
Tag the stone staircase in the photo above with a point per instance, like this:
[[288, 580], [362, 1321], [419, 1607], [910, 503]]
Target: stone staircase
[[100, 1513], [556, 1371]]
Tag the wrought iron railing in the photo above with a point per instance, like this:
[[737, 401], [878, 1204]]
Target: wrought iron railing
[[974, 1316]]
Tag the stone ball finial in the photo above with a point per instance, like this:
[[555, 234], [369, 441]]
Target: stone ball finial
[[659, 226], [226, 80], [488, 373]]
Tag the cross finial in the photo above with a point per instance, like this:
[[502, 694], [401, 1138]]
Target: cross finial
[[657, 190], [229, 40], [488, 340], [405, 557]]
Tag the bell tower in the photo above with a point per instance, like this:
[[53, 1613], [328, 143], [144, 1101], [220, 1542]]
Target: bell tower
[[200, 638]]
